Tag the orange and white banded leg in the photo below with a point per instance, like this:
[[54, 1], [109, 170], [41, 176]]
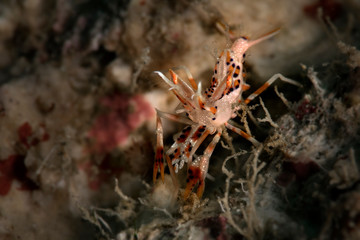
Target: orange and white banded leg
[[267, 84], [184, 147], [189, 76], [242, 133], [159, 153], [173, 117], [198, 169], [182, 90], [224, 29]]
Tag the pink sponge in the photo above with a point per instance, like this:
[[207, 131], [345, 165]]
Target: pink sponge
[[122, 114]]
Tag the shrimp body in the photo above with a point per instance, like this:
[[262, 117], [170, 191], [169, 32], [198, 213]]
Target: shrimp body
[[215, 105], [207, 113]]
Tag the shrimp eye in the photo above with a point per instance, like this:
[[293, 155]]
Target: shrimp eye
[[244, 37]]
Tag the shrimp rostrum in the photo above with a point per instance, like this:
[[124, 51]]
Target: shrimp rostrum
[[207, 113]]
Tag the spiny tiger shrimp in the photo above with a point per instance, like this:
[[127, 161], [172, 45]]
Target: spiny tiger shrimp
[[207, 113]]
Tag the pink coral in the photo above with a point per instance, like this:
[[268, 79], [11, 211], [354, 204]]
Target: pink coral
[[305, 108], [14, 168], [123, 114], [30, 138]]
